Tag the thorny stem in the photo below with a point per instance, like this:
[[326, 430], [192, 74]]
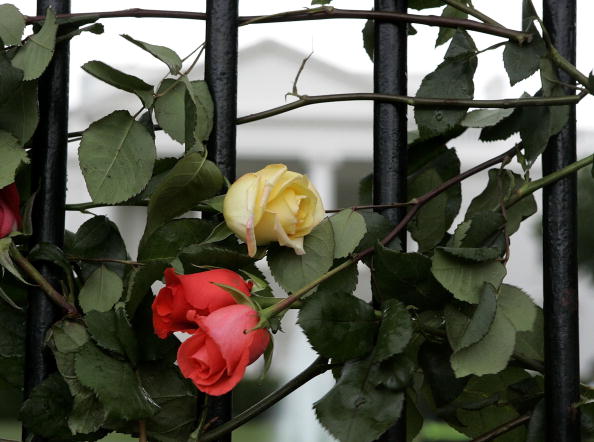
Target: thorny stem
[[439, 103], [373, 206], [142, 431], [502, 429], [319, 366], [321, 13], [195, 436], [117, 261], [43, 283]]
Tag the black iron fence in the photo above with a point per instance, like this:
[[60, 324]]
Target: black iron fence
[[390, 154]]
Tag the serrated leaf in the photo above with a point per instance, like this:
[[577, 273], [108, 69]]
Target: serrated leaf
[[445, 34], [424, 4], [473, 253], [48, 252], [166, 55], [517, 306], [530, 344], [294, 271], [434, 359], [377, 227], [338, 325], [395, 330], [112, 331], [98, 238], [354, 410], [406, 277], [368, 33], [190, 181], [45, 412], [120, 80], [491, 354], [87, 415], [451, 79], [12, 25], [464, 330], [38, 51], [12, 332], [219, 233], [101, 291], [19, 113], [344, 281], [12, 156], [199, 113], [485, 117], [95, 28], [463, 278], [169, 239], [115, 384], [349, 228], [521, 62], [139, 282], [69, 336], [116, 156], [215, 255], [11, 76]]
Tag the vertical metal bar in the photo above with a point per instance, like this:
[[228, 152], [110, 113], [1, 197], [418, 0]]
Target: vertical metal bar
[[389, 134], [221, 77], [559, 252], [49, 156]]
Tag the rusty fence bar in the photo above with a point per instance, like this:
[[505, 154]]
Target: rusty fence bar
[[559, 252], [221, 77], [389, 133], [49, 155]]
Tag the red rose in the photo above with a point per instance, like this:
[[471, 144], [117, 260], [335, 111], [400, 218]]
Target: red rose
[[10, 216], [197, 292], [216, 356]]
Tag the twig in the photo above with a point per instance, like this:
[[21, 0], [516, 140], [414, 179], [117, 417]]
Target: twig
[[142, 431], [117, 261], [43, 283], [374, 206], [299, 71], [438, 103], [473, 12], [322, 13], [318, 367], [502, 429]]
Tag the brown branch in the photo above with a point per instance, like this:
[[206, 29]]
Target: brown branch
[[502, 429], [322, 13], [373, 206]]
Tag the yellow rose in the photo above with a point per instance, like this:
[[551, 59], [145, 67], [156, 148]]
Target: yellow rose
[[273, 204]]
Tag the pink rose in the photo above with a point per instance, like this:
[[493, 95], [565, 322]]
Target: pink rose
[[197, 292], [10, 217], [216, 356]]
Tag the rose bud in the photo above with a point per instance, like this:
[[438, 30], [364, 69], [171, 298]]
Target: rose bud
[[273, 204], [197, 292], [216, 356], [10, 216]]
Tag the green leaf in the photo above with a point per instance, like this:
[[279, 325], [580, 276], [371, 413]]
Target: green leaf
[[191, 180], [87, 415], [238, 295], [451, 79], [12, 156], [215, 255], [535, 131], [216, 203], [169, 239], [115, 384], [489, 355], [101, 291], [338, 325], [139, 282], [485, 117], [38, 51], [406, 277], [349, 228], [521, 62], [48, 252], [166, 55], [530, 344], [536, 426], [344, 281], [394, 373], [445, 34], [368, 33], [464, 330], [199, 113], [98, 238], [434, 359], [551, 87], [112, 331], [463, 278], [395, 330], [6, 260], [424, 4], [473, 253], [483, 229], [219, 233], [95, 28], [116, 157], [19, 114], [354, 410], [45, 412], [177, 399], [68, 336], [170, 110], [377, 226], [11, 76], [12, 25], [293, 271], [121, 80], [517, 306], [12, 332]]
